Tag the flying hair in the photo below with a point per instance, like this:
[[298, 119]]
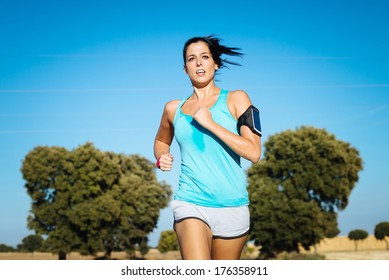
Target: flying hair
[[217, 50]]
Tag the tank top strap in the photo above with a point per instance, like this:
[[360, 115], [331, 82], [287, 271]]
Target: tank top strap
[[178, 109], [223, 95], [222, 100], [221, 103]]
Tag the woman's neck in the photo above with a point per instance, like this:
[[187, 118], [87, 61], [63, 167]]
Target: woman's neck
[[205, 92]]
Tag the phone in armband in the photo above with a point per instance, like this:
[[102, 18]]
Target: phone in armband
[[250, 118]]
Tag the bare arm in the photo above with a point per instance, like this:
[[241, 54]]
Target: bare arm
[[247, 144], [164, 137]]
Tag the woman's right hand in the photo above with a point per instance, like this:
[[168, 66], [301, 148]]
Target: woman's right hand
[[165, 162]]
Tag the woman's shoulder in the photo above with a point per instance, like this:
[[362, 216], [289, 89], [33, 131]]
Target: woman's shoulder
[[172, 105], [239, 97], [238, 94], [237, 102], [170, 108]]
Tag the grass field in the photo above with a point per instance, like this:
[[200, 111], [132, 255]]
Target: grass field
[[155, 255], [338, 248]]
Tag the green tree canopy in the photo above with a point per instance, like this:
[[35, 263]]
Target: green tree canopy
[[31, 243], [381, 232], [295, 192], [357, 235], [6, 248], [168, 241], [89, 201]]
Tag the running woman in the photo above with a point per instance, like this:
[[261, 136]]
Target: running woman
[[210, 205]]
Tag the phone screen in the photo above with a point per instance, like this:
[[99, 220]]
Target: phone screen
[[256, 120]]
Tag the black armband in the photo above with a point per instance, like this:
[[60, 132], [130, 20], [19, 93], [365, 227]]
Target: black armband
[[250, 118]]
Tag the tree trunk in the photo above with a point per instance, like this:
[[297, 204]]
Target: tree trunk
[[108, 254], [356, 245], [132, 255], [62, 256]]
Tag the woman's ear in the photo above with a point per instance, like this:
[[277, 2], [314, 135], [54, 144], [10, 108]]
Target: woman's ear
[[185, 70]]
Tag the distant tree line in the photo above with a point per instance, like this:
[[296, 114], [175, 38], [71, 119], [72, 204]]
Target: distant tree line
[[381, 232]]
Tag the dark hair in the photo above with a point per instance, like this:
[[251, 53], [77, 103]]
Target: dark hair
[[216, 49]]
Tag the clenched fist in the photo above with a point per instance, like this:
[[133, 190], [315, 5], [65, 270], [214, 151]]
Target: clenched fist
[[165, 162]]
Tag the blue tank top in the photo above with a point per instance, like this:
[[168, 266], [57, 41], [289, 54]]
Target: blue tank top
[[211, 173]]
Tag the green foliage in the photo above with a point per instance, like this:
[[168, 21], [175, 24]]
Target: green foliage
[[357, 235], [31, 243], [381, 232], [168, 241], [6, 248], [89, 201], [305, 177]]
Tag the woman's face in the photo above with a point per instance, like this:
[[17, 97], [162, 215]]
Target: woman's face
[[199, 64]]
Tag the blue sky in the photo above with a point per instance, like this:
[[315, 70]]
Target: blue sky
[[101, 71]]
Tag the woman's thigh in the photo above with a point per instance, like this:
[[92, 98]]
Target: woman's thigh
[[228, 249], [195, 239]]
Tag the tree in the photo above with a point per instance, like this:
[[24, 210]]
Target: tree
[[168, 241], [6, 248], [31, 243], [47, 172], [381, 232], [357, 235], [89, 201], [123, 215], [295, 192]]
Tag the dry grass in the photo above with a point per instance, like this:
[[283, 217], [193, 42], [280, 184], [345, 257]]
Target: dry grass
[[342, 243], [358, 255], [338, 248], [155, 255]]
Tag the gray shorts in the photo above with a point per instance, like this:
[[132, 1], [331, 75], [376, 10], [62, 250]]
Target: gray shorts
[[226, 223]]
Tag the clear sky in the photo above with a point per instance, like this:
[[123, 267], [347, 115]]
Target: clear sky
[[101, 71]]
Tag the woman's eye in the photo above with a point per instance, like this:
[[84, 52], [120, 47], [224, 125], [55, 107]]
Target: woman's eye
[[205, 57], [190, 58]]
